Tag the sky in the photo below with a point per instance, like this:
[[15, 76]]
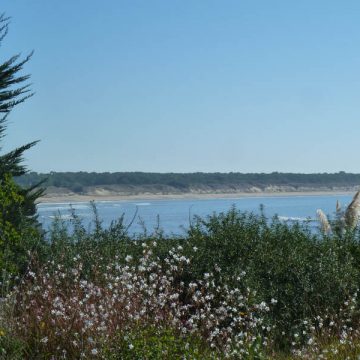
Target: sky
[[187, 86]]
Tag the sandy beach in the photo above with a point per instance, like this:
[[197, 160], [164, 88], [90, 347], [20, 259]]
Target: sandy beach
[[123, 197]]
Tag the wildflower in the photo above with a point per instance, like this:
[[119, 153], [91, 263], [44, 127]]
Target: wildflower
[[263, 306], [75, 272], [94, 352], [131, 346], [44, 340]]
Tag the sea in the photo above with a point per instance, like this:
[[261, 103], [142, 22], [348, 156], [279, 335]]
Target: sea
[[175, 216]]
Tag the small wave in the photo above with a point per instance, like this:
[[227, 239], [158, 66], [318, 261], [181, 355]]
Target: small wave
[[143, 204], [54, 208], [60, 207], [62, 217]]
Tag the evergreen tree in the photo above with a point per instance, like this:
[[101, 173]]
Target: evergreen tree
[[19, 229], [14, 90]]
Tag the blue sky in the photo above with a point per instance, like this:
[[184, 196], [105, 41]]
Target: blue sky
[[183, 86]]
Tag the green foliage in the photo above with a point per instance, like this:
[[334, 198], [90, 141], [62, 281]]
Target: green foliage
[[18, 226], [77, 181], [18, 235], [14, 91], [306, 273], [11, 348], [153, 343], [302, 274], [96, 244]]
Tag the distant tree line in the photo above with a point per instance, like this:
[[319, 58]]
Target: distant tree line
[[76, 181]]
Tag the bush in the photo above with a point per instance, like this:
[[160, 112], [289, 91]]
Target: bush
[[18, 235], [307, 273], [60, 313], [238, 283]]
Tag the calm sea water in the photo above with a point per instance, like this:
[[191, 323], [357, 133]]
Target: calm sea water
[[174, 215]]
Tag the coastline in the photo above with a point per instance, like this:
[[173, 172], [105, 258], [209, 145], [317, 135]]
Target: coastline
[[55, 198]]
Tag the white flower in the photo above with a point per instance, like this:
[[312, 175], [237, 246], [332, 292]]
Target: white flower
[[128, 258], [263, 306], [94, 351], [273, 301], [44, 340], [131, 346]]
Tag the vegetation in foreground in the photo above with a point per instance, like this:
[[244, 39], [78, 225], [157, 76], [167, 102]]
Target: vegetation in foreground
[[236, 285]]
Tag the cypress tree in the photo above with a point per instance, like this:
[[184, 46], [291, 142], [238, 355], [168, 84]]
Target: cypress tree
[[19, 229], [15, 89]]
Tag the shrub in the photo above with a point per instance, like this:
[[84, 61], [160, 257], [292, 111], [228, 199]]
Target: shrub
[[308, 273], [101, 290], [18, 236], [59, 313]]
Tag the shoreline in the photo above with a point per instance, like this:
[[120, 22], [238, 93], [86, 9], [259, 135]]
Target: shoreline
[[186, 196]]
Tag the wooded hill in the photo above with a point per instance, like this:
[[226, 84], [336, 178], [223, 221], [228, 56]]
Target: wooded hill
[[78, 181]]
